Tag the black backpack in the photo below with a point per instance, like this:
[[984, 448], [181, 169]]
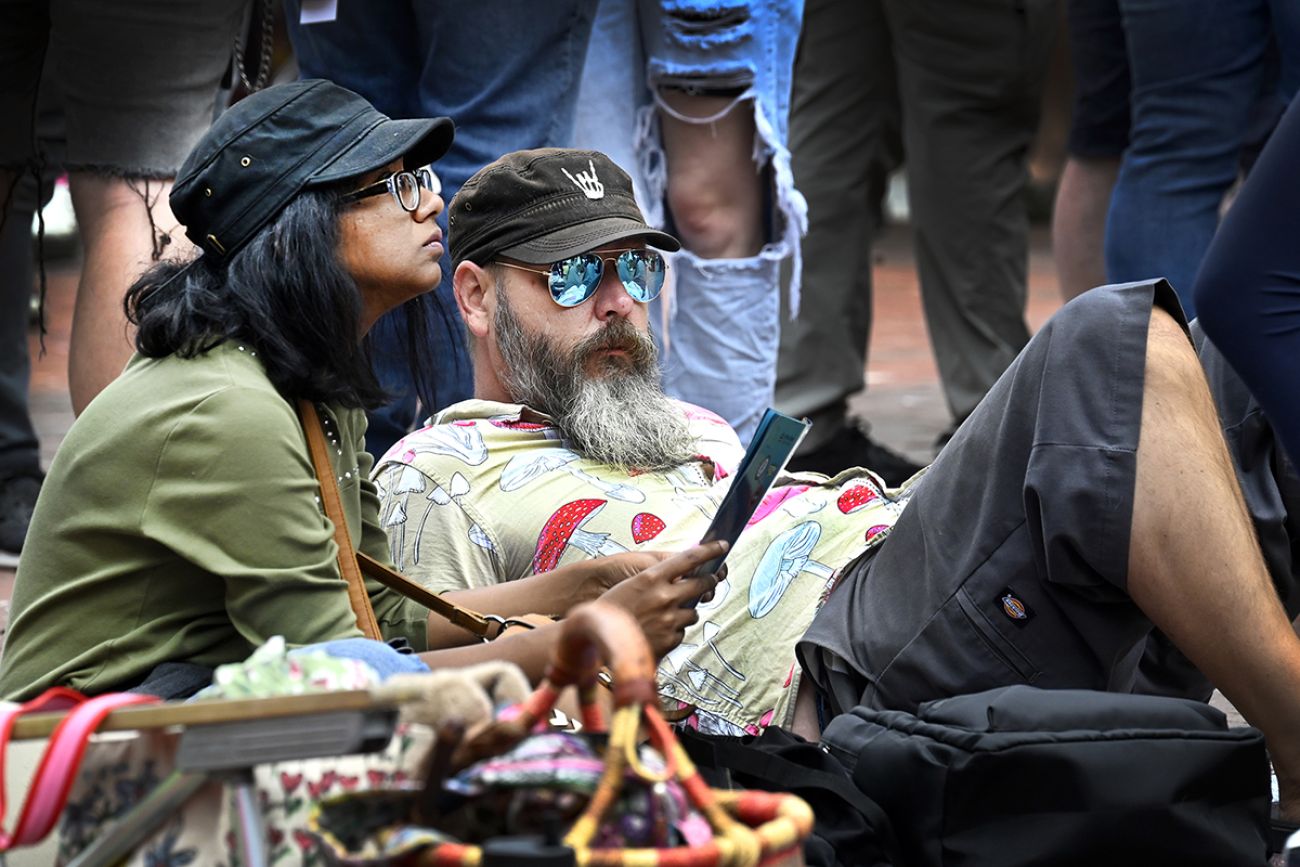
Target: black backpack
[[849, 828], [1022, 776]]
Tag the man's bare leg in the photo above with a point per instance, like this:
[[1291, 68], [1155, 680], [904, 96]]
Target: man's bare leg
[[1079, 223], [1195, 567], [715, 190], [120, 242]]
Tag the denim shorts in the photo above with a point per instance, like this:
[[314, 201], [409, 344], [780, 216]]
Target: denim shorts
[[742, 48], [138, 79]]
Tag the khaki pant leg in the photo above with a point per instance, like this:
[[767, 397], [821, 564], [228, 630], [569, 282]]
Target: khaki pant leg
[[970, 80], [843, 118]]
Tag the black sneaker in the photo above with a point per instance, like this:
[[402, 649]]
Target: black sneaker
[[17, 500], [851, 447]]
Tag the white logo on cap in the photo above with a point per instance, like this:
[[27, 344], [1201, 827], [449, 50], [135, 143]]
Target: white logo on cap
[[587, 182]]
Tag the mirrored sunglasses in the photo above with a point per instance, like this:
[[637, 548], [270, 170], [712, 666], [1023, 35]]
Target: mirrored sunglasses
[[573, 280]]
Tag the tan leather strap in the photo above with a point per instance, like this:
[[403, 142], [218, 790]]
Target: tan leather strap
[[479, 624], [329, 494]]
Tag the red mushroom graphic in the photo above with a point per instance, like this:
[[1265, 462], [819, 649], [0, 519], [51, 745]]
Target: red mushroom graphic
[[506, 422], [564, 528], [873, 532], [857, 497], [646, 526]]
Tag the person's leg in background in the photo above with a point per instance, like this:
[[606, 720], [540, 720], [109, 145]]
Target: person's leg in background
[[970, 79], [131, 120], [374, 49], [844, 139], [1197, 70], [509, 79], [1098, 137], [706, 150], [724, 328], [20, 458], [22, 38]]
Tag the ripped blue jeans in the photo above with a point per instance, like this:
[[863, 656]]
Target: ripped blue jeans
[[718, 321]]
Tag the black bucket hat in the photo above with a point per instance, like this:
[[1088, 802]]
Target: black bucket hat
[[269, 146], [540, 206]]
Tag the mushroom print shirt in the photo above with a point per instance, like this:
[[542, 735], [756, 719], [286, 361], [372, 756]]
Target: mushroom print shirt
[[492, 492]]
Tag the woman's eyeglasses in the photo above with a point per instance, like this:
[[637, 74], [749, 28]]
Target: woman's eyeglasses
[[575, 279], [404, 186]]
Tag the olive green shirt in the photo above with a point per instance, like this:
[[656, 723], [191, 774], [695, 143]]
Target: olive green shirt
[[181, 521]]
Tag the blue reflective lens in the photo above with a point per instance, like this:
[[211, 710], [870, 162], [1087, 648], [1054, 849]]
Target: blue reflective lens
[[642, 273], [574, 280]]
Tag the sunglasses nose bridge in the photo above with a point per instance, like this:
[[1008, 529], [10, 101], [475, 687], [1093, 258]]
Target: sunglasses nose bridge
[[611, 281]]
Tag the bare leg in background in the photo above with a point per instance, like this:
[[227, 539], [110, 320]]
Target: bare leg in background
[[1079, 223], [715, 189], [120, 243]]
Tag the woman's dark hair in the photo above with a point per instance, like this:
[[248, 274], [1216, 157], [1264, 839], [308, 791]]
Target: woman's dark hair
[[286, 294]]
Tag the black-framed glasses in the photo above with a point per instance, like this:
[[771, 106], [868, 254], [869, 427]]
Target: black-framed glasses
[[575, 279], [403, 186]]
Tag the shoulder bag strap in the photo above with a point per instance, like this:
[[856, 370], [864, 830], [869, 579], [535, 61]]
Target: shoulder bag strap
[[353, 563], [329, 494], [48, 792], [465, 618]]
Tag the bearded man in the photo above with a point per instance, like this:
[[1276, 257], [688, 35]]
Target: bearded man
[[1088, 498]]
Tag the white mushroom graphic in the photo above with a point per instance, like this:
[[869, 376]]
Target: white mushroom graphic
[[701, 685], [479, 537], [703, 500], [711, 631], [410, 481], [524, 469], [397, 537], [784, 559], [564, 528], [439, 496], [455, 440]]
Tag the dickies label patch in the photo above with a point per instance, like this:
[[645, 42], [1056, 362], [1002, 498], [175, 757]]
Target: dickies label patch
[[1015, 608]]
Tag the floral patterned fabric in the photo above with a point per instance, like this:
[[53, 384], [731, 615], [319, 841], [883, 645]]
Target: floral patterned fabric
[[492, 492], [119, 770]]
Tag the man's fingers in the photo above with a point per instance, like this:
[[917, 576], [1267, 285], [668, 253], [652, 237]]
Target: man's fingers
[[686, 562], [693, 587]]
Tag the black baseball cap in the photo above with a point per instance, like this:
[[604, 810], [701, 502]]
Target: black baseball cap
[[269, 146], [542, 205]]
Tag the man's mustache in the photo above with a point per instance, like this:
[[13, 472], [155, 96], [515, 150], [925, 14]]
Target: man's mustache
[[620, 335]]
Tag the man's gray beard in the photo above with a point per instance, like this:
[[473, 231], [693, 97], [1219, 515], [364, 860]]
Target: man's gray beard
[[622, 418]]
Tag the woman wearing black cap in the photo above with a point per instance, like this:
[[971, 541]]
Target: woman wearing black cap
[[181, 524]]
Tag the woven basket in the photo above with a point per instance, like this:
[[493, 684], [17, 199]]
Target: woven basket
[[750, 828]]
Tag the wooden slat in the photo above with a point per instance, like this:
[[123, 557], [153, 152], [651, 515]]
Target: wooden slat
[[220, 711]]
